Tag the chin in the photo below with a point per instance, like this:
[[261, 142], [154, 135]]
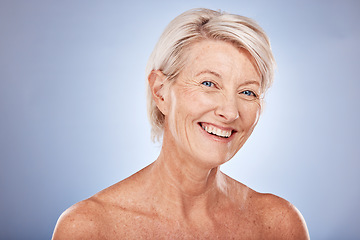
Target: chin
[[213, 158]]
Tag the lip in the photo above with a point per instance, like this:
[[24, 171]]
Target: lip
[[217, 138]]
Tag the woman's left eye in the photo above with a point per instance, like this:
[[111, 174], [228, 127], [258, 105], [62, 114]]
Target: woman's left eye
[[249, 93], [208, 84]]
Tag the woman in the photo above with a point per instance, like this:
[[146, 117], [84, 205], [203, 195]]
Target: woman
[[207, 77]]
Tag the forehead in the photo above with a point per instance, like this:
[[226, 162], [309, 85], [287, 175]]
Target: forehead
[[221, 57]]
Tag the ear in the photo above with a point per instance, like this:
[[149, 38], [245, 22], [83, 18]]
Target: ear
[[157, 81]]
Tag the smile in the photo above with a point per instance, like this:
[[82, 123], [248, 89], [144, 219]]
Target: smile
[[216, 131]]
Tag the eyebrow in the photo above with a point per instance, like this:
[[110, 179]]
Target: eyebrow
[[251, 82], [209, 72]]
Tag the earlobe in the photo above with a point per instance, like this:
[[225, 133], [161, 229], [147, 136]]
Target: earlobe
[[157, 81]]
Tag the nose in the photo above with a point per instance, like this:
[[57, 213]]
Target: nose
[[227, 109]]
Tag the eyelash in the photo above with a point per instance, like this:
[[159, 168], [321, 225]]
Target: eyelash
[[205, 83], [249, 93], [246, 92]]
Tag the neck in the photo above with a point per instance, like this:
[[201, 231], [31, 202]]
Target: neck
[[189, 180], [186, 188]]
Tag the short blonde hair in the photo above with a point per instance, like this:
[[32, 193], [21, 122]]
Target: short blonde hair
[[200, 24]]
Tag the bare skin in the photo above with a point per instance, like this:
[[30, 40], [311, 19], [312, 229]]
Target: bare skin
[[133, 209], [210, 111]]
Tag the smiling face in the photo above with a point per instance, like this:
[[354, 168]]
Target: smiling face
[[213, 105]]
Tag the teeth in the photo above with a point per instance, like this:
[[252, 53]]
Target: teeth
[[216, 131]]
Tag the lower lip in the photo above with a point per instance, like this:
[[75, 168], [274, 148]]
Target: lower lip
[[216, 138]]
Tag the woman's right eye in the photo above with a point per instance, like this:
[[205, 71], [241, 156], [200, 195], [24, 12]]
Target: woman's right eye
[[208, 84]]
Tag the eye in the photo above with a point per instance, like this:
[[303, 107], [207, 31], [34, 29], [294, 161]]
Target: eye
[[249, 93], [208, 84]]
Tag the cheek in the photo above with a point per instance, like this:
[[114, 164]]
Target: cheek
[[187, 107], [251, 114], [179, 112], [195, 102]]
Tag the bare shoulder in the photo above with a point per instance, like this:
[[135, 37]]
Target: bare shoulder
[[81, 221], [273, 216], [102, 216], [281, 219]]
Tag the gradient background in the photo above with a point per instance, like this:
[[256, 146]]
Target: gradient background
[[73, 112]]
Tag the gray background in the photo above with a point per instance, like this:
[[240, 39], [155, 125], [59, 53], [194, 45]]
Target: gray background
[[73, 113]]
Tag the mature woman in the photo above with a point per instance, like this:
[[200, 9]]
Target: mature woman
[[207, 77]]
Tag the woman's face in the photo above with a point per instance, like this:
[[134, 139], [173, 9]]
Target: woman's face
[[213, 105]]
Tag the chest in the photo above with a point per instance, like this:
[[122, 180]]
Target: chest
[[134, 226]]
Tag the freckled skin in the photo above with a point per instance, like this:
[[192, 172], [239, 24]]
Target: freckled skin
[[183, 194]]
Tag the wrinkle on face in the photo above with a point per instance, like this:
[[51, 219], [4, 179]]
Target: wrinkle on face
[[232, 71]]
